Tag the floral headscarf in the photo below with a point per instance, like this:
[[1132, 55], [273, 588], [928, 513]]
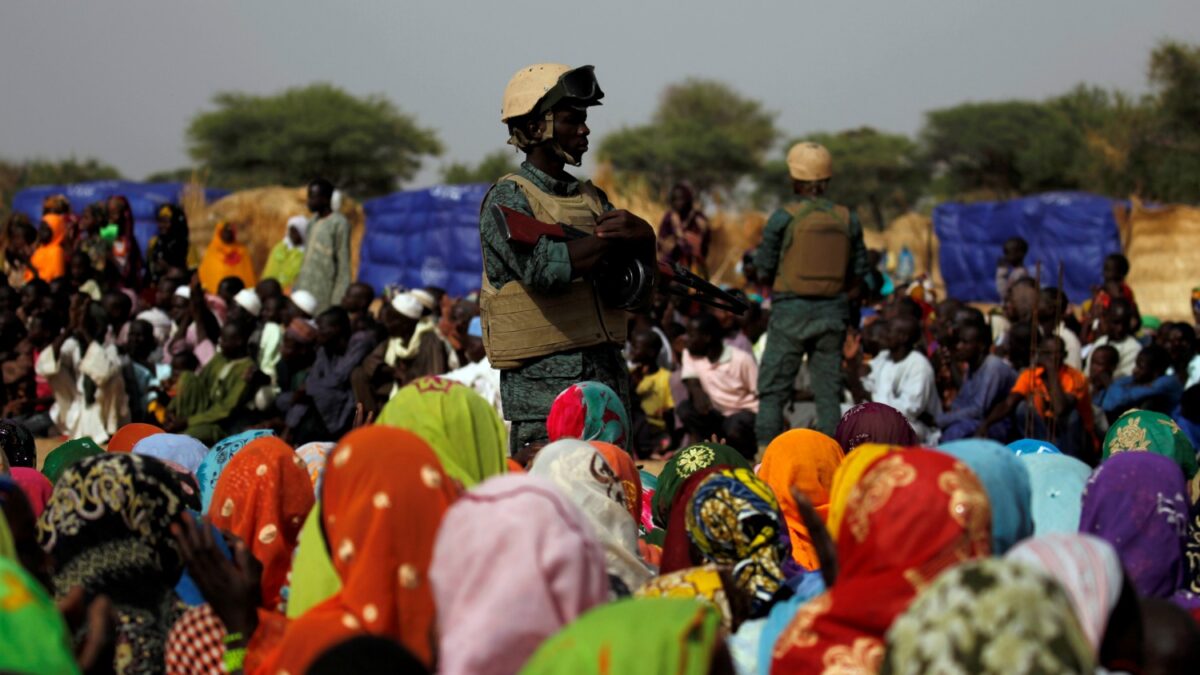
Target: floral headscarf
[[67, 454], [989, 616], [1056, 485], [806, 460], [459, 424], [641, 635], [848, 473], [216, 459], [1142, 430], [627, 472], [382, 502], [913, 514], [683, 464], [735, 521], [108, 527], [678, 550], [516, 561], [1007, 484], [873, 423], [1136, 502], [589, 411], [1088, 569], [581, 473]]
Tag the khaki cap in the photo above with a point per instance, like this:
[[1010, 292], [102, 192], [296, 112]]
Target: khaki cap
[[528, 87], [808, 161]]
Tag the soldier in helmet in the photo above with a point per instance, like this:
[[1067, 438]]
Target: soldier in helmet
[[543, 324], [812, 254]]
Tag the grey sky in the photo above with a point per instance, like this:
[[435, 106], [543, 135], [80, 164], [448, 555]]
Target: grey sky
[[119, 80]]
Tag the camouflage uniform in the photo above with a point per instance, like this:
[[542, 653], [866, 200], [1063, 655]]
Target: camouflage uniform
[[527, 392], [803, 325]]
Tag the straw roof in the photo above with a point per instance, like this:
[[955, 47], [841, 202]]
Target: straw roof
[[1163, 247]]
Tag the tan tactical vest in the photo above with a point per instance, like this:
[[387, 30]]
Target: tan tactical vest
[[521, 324], [816, 251]]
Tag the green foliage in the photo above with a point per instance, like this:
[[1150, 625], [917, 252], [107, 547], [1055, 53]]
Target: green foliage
[[703, 131], [363, 144], [491, 167], [878, 173], [15, 176], [181, 175]]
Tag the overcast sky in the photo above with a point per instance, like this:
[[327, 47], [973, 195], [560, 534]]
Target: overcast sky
[[119, 80]]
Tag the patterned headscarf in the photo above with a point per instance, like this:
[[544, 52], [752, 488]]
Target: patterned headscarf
[[108, 528], [459, 424], [516, 561], [263, 497], [1056, 485], [1007, 484], [735, 521], [129, 435], [1032, 446], [1142, 430], [627, 472], [641, 635], [17, 443], [873, 423], [678, 551], [37, 488], [1088, 569], [589, 411], [848, 473], [989, 616], [67, 454], [215, 461], [702, 583], [35, 637], [1136, 502], [178, 449], [806, 460], [581, 473], [314, 455], [913, 514], [683, 464], [383, 499]]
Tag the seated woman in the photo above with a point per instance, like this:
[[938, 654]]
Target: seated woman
[[286, 257]]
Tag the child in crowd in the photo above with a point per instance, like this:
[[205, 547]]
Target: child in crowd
[[653, 413]]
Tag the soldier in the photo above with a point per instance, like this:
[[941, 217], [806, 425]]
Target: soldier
[[812, 254], [543, 324]]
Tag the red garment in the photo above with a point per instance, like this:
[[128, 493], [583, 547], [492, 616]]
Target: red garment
[[383, 498], [912, 515]]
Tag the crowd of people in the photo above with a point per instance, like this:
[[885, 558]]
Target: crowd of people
[[286, 471]]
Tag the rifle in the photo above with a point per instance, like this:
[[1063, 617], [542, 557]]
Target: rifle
[[621, 281]]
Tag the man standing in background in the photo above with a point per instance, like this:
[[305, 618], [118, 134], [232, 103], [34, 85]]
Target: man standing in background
[[325, 271]]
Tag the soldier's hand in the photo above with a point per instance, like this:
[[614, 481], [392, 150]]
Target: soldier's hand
[[622, 224]]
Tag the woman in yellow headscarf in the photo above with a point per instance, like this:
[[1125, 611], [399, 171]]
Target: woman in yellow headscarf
[[225, 257]]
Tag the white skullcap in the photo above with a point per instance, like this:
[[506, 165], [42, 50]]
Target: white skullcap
[[425, 298], [408, 305], [248, 300], [184, 292], [306, 301]]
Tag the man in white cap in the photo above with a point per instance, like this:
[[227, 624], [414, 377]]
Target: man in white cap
[[246, 306], [413, 349], [305, 303]]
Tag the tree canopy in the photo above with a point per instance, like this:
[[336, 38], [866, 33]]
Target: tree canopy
[[493, 165], [365, 145], [703, 131]]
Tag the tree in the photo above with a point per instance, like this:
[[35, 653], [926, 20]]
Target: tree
[[491, 167], [1001, 149], [878, 173], [702, 131], [181, 175], [16, 176], [363, 144]]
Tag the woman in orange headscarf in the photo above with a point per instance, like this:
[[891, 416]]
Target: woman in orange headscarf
[[806, 460], [262, 497], [382, 500], [128, 436], [912, 515], [225, 257], [50, 256]]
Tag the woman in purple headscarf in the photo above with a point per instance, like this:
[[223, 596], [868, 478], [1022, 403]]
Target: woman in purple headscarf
[[873, 423], [1137, 501]]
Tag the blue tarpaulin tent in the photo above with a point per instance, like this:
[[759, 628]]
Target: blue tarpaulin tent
[[1072, 228], [424, 238], [144, 199]]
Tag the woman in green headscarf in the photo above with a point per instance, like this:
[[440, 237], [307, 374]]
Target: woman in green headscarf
[[668, 636], [685, 463], [31, 629], [67, 454], [1146, 431], [461, 426]]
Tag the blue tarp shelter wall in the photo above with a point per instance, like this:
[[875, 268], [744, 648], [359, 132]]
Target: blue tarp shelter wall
[[1074, 228], [144, 199], [422, 238]]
